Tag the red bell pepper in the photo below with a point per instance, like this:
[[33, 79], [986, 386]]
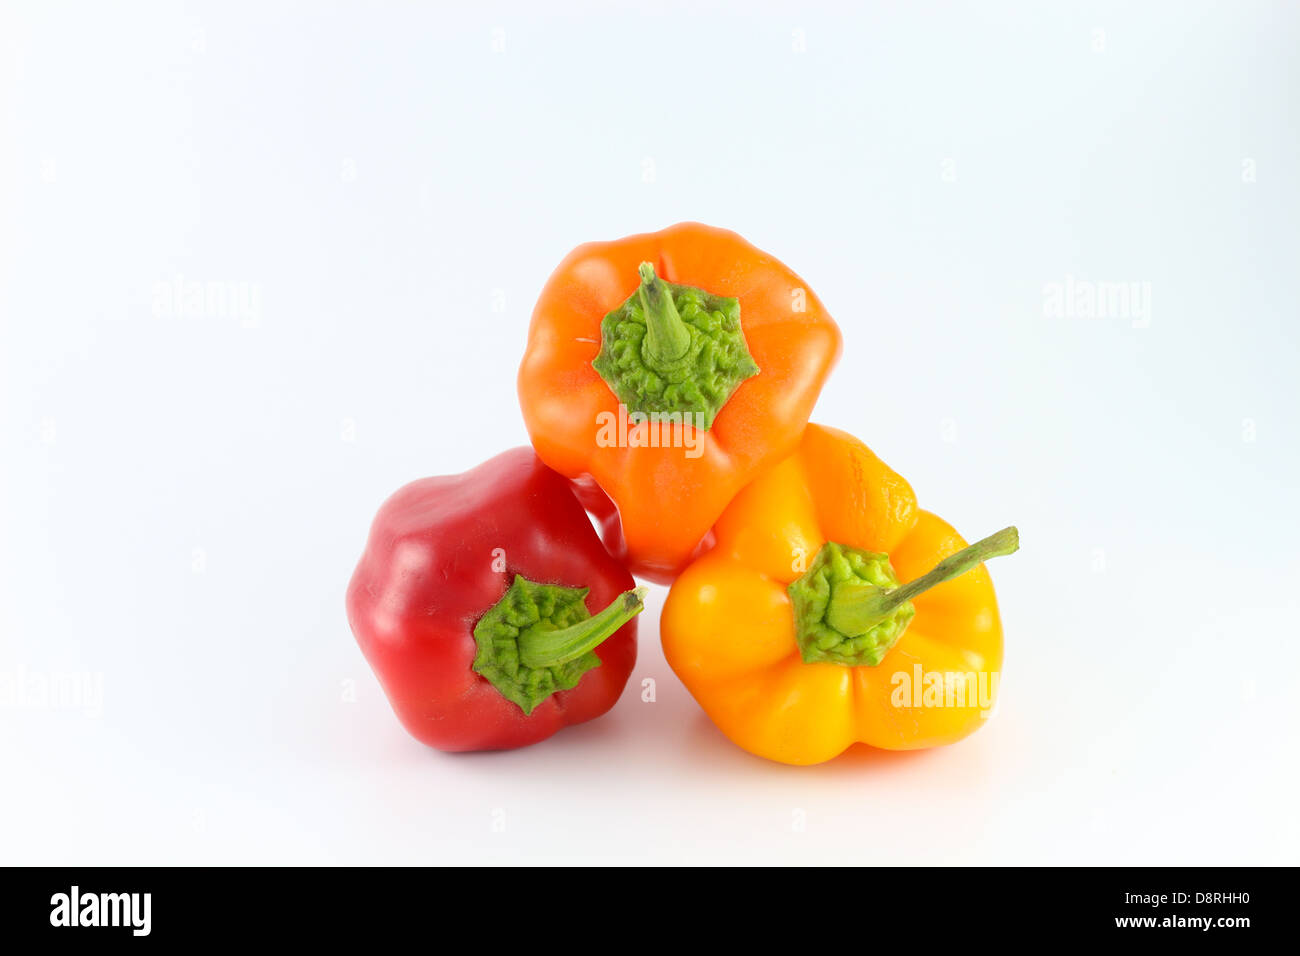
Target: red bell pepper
[[471, 604]]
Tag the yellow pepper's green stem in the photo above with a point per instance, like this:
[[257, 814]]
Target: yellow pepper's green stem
[[856, 608]]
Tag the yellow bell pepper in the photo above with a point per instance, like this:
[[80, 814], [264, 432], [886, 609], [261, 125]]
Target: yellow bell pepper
[[794, 634]]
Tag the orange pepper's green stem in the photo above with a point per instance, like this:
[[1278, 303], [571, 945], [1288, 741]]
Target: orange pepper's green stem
[[856, 608], [542, 648], [674, 349], [667, 339]]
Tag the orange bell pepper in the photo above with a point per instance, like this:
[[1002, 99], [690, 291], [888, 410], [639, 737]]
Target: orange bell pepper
[[663, 372], [794, 635]]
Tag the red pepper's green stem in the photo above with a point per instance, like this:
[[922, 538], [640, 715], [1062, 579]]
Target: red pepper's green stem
[[856, 608], [667, 339], [538, 648]]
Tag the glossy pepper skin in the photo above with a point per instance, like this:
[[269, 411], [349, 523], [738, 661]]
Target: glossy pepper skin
[[729, 624], [442, 553], [657, 504]]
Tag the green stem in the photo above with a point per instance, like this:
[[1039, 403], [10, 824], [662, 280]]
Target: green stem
[[856, 608], [667, 339], [542, 648]]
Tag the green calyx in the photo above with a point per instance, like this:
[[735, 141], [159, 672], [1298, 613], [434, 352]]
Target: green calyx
[[540, 638], [819, 596], [674, 349], [849, 608]]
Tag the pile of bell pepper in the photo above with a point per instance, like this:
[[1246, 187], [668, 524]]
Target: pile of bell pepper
[[666, 386]]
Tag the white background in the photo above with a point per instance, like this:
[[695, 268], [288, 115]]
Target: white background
[[183, 495]]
